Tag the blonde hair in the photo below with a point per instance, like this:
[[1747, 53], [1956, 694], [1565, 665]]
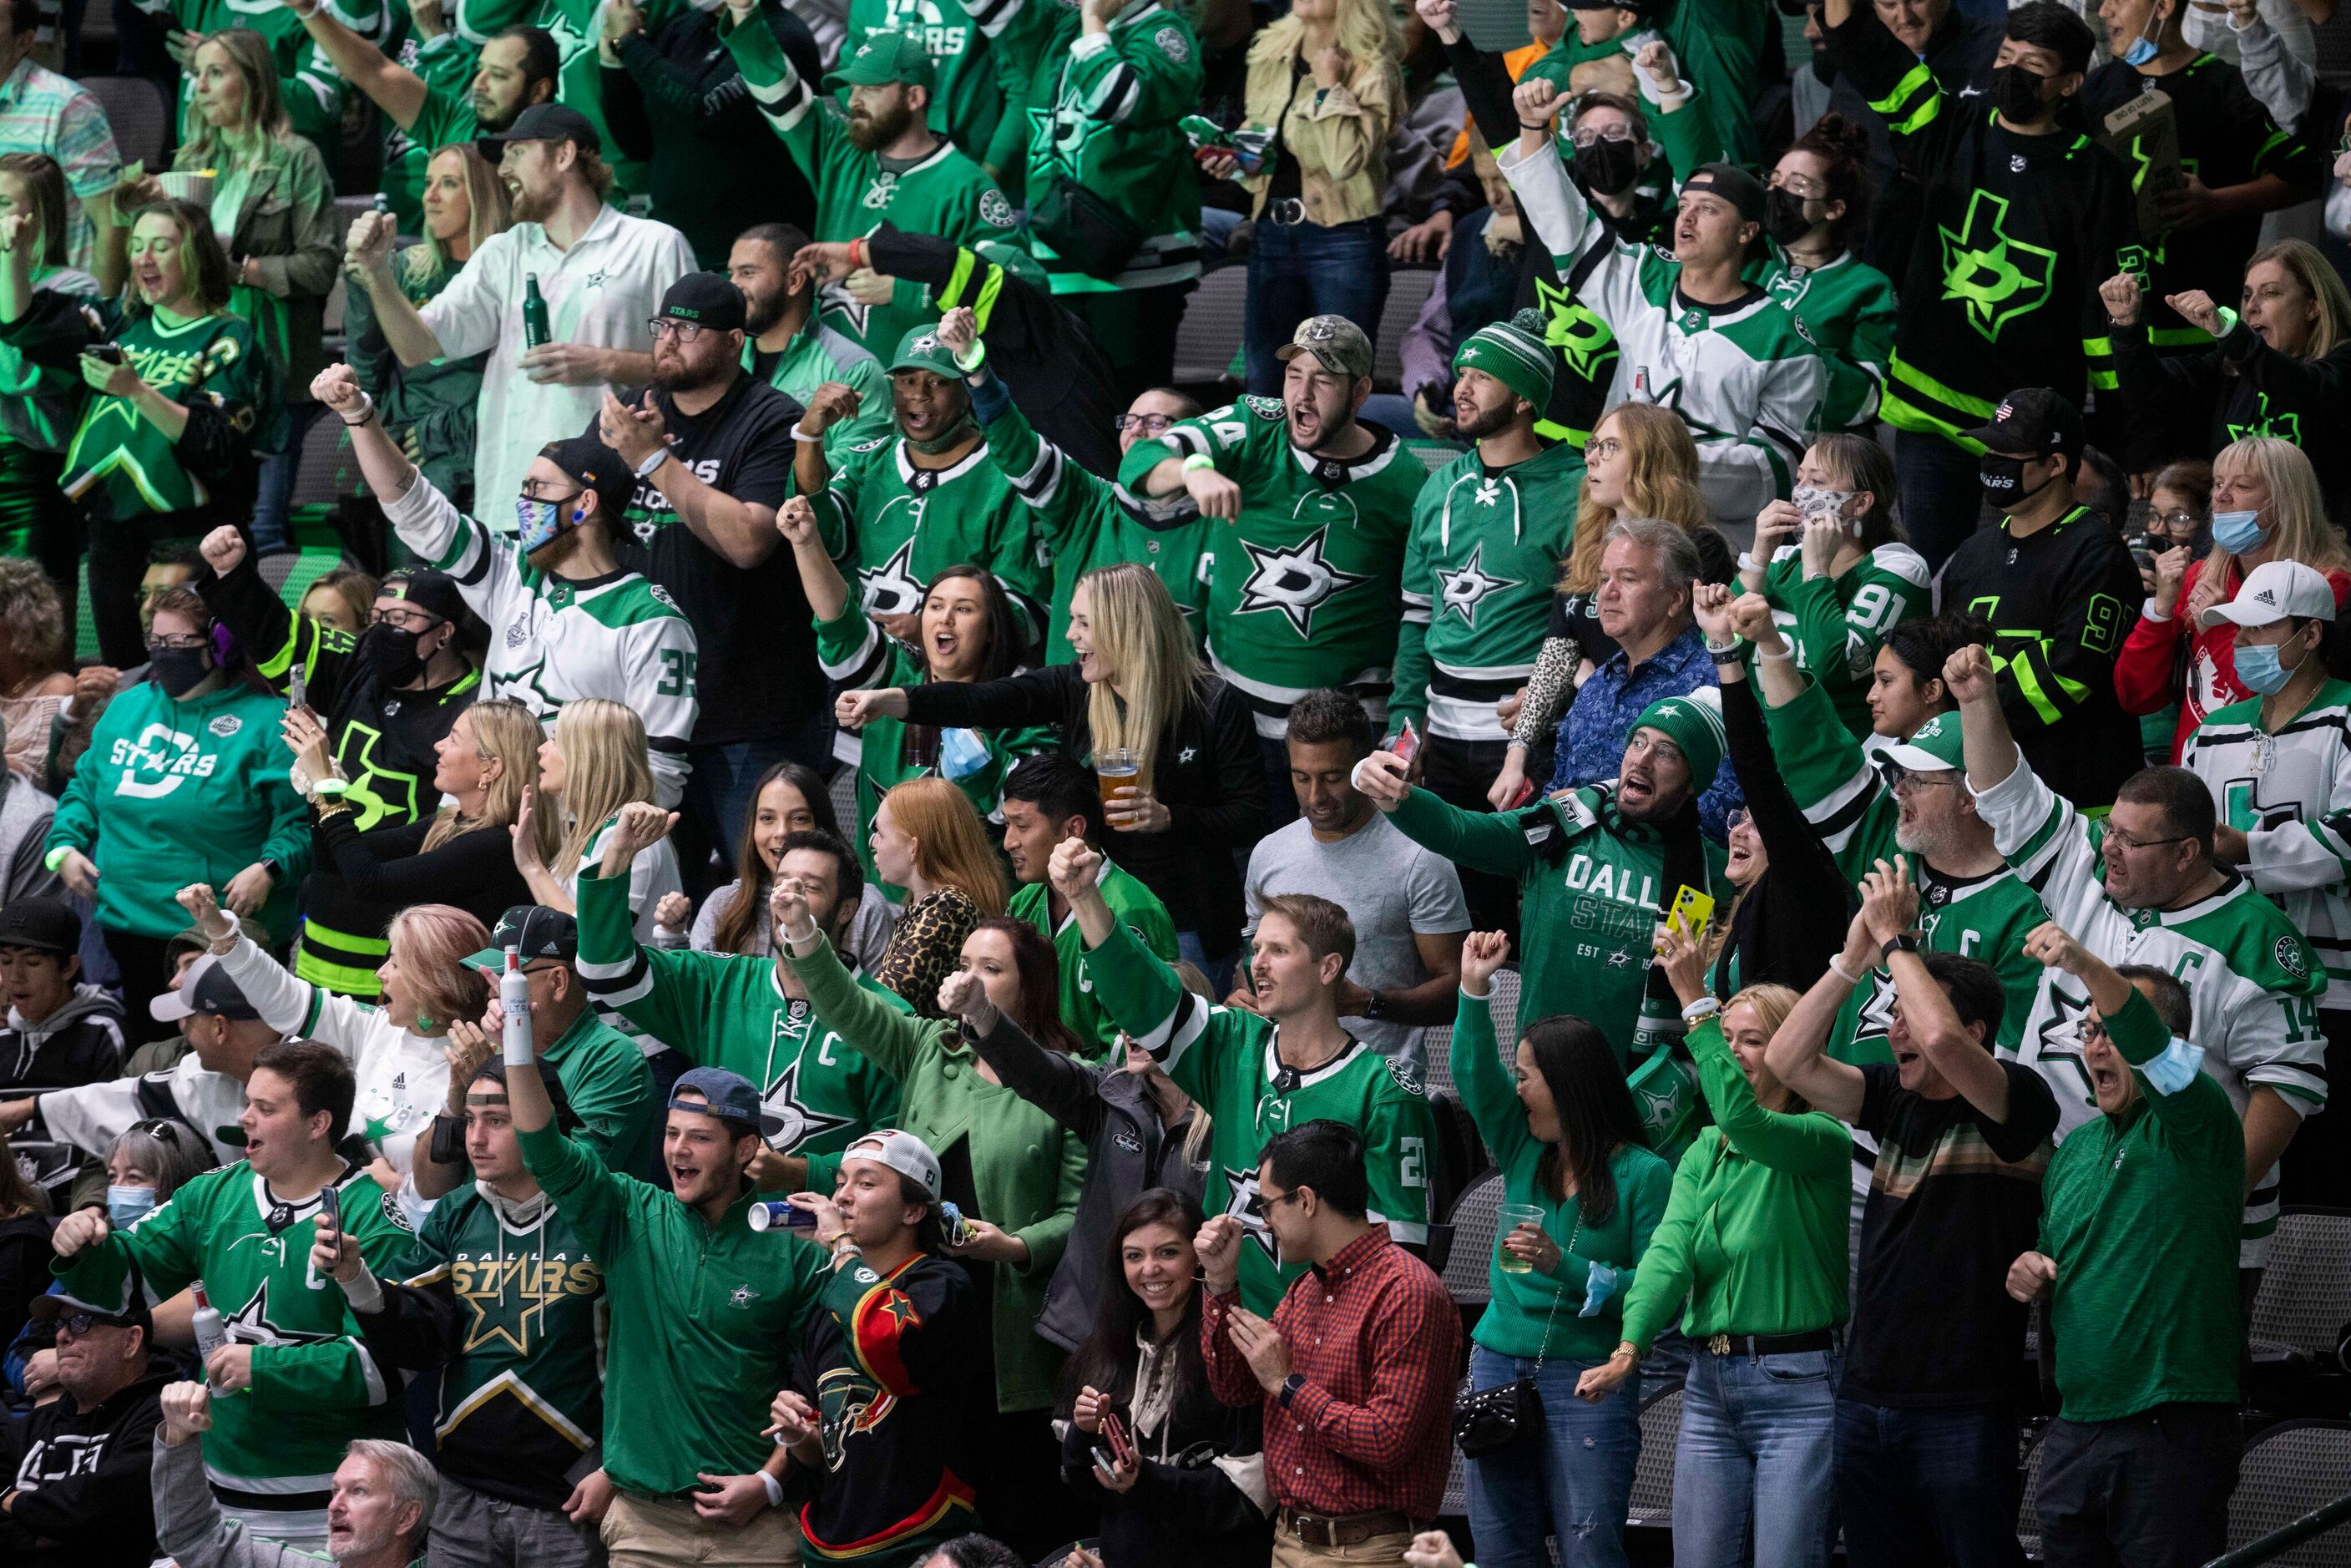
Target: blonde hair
[[265, 107], [504, 732], [2308, 265], [430, 943], [1203, 1125], [951, 847], [357, 589], [1367, 33], [606, 765], [2298, 527], [1772, 1004], [1140, 635], [490, 211], [1661, 481]]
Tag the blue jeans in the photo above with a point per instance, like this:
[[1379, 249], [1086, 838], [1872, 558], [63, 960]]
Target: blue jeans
[[1297, 270], [1916, 1485], [1577, 1482], [1943, 495], [1757, 1460], [275, 496]]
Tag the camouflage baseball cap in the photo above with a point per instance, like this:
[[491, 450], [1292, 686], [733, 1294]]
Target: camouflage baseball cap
[[1336, 342]]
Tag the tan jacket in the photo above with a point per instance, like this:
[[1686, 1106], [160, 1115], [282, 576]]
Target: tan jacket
[[1339, 137]]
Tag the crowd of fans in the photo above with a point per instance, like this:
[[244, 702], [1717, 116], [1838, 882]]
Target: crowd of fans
[[856, 929]]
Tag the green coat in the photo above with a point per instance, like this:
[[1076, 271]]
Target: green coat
[[1028, 1169]]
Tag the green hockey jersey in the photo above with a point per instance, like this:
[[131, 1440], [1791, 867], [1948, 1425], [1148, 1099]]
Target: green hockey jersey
[[445, 65], [120, 465], [2290, 794], [506, 1303], [1227, 1061], [1305, 586], [308, 85], [725, 1009], [1480, 574], [2255, 990], [901, 525], [1848, 308], [1102, 112], [978, 99], [943, 194], [1086, 521], [815, 355], [856, 656], [1836, 622], [1138, 908], [272, 1450]]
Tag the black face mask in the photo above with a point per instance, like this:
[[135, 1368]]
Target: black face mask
[[2003, 482], [2016, 93], [179, 671], [1783, 217], [391, 652], [1607, 168]]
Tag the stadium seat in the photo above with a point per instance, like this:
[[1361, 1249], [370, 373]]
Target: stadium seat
[[1407, 292], [2305, 1295], [1505, 1008], [843, 790], [1652, 1502], [1473, 1217], [1210, 332], [141, 118], [328, 469], [1461, 1154], [2028, 1513], [2288, 1471]]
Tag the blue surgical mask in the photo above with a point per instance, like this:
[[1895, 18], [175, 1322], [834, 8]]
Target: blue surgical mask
[[2259, 666], [2237, 532], [127, 1206], [2142, 50], [536, 522]]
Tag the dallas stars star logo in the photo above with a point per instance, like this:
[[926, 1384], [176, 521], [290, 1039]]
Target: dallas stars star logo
[[1248, 1206], [2285, 426], [251, 1325], [891, 589], [2061, 1037], [1460, 591], [802, 1121], [1581, 339], [1657, 1110], [1296, 580], [1998, 278]]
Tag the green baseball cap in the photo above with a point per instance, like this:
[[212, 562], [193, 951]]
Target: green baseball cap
[[1936, 748], [920, 349], [883, 58]]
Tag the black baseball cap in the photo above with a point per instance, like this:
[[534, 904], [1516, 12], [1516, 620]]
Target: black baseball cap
[[433, 592], [205, 991], [1742, 189], [496, 1068], [596, 467], [42, 925], [707, 298], [2033, 421], [127, 1312], [535, 932], [543, 122]]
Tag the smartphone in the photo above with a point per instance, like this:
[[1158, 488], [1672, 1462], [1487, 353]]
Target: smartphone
[[297, 688], [111, 352], [1526, 793], [1122, 1447], [1690, 911], [1407, 744], [331, 1204]]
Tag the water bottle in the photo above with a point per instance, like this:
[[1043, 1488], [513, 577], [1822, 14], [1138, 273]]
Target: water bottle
[[207, 1323], [1641, 393], [514, 1001], [535, 329]]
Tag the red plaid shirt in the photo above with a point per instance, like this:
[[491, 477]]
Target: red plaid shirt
[[1378, 1343]]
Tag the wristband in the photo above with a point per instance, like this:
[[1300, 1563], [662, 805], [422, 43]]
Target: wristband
[[1524, 126], [644, 470], [331, 787], [795, 937], [1903, 943], [775, 1489], [800, 434], [978, 357], [857, 253], [55, 857], [1853, 980], [1749, 563], [1198, 461], [1701, 1010], [1782, 657], [367, 411]]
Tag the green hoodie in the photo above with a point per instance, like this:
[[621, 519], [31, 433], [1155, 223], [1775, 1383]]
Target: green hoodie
[[177, 792]]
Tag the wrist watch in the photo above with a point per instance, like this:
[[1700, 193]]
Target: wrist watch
[[1907, 942], [1377, 1007], [1290, 1388]]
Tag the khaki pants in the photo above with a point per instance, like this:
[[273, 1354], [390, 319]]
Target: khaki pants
[[665, 1532], [1290, 1551]]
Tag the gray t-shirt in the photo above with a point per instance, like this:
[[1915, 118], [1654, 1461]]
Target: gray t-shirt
[[1389, 886]]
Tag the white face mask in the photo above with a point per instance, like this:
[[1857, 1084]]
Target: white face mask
[[1814, 500]]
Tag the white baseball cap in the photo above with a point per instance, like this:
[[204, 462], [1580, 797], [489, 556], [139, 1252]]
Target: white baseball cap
[[2274, 590], [902, 1152]]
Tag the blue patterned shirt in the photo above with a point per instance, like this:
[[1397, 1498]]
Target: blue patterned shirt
[[1591, 736], [41, 112]]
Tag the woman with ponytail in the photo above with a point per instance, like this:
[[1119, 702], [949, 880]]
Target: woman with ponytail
[[1815, 213]]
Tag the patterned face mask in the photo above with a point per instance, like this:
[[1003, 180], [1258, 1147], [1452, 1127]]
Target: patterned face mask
[[537, 522]]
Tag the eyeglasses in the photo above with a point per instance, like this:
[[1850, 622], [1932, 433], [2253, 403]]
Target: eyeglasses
[[1147, 424], [536, 490], [2125, 842], [1904, 780], [1276, 1199], [157, 642], [683, 331], [162, 1128], [1588, 135], [76, 1325], [1599, 449], [1804, 187], [2180, 518], [405, 619], [1735, 819]]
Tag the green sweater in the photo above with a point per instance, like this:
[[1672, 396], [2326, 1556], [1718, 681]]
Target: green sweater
[[1755, 1233], [1533, 1315], [172, 793], [704, 1319], [2141, 1213], [1027, 1169]]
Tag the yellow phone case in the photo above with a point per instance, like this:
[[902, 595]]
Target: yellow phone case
[[1690, 911]]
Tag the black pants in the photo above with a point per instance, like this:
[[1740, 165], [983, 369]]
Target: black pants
[[118, 559], [1023, 1501], [1460, 772], [1136, 331], [144, 963], [2316, 1170], [2148, 1491], [1280, 799]]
